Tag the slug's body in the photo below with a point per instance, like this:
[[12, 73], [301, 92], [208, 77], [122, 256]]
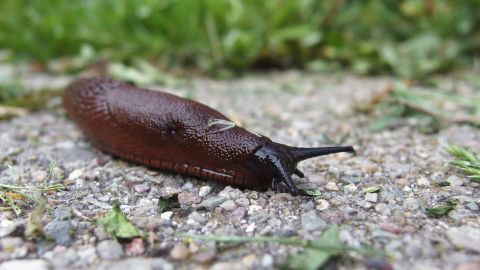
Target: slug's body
[[179, 135]]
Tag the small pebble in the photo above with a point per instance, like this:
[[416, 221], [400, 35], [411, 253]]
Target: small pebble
[[455, 180], [205, 257], [197, 217], [365, 204], [39, 176], [390, 227], [75, 174], [242, 202], [350, 210], [230, 193], [411, 204], [308, 205], [169, 192], [267, 261], [437, 176], [228, 205], [141, 188], [188, 198], [383, 209], [211, 203], [238, 215], [322, 204], [61, 231], [423, 182], [473, 265], [7, 227], [317, 179], [109, 250], [371, 197], [135, 248], [312, 222], [250, 228], [472, 206], [166, 215], [11, 243], [281, 197], [204, 191], [466, 237], [350, 188], [331, 186], [57, 173], [25, 265], [180, 252]]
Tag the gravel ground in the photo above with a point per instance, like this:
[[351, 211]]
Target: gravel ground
[[291, 108]]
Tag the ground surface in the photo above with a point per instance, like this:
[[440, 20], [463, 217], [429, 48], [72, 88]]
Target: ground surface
[[292, 108]]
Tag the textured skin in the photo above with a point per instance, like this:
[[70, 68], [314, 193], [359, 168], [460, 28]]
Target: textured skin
[[165, 131]]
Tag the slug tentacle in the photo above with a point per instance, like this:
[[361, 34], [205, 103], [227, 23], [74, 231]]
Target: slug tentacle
[[300, 153], [298, 173], [281, 161], [286, 178]]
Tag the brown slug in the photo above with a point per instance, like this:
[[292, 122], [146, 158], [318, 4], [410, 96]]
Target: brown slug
[[171, 133]]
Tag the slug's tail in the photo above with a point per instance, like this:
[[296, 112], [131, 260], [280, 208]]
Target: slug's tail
[[300, 153]]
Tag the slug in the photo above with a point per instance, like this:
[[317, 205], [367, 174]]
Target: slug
[[171, 133]]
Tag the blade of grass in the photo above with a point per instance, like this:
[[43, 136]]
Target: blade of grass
[[466, 161], [281, 240], [11, 205], [316, 252]]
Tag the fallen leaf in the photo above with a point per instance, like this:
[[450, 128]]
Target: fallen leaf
[[117, 225], [311, 192], [440, 211], [312, 258], [34, 227], [166, 204], [372, 189]]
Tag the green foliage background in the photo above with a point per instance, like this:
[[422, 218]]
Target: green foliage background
[[410, 38]]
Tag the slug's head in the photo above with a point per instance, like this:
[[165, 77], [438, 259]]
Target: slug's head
[[280, 161]]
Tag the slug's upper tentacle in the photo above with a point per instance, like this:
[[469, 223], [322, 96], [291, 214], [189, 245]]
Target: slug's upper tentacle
[[300, 153]]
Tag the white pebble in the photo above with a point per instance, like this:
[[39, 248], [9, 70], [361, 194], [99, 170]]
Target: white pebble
[[204, 191], [423, 182], [322, 204], [166, 215], [228, 205], [332, 186], [250, 228], [350, 188], [455, 180], [371, 197], [75, 174]]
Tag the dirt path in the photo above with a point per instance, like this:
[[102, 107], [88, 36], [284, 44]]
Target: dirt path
[[292, 108]]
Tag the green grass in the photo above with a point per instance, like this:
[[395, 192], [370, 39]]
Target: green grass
[[431, 106], [466, 161], [410, 38]]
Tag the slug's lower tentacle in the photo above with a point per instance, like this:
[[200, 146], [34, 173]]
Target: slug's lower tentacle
[[275, 183], [298, 173], [287, 180]]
